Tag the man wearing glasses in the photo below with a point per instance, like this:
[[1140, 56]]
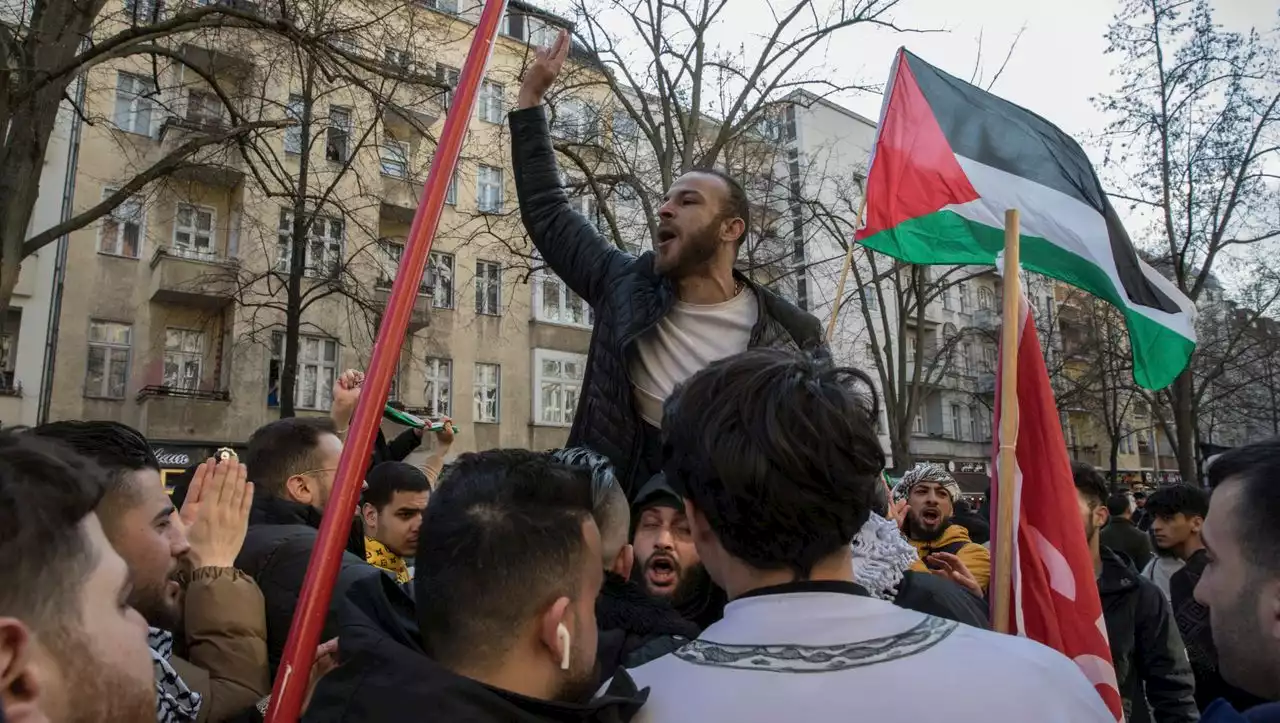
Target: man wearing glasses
[[292, 463]]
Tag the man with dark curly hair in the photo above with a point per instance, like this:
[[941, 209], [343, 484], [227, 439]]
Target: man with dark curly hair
[[776, 456]]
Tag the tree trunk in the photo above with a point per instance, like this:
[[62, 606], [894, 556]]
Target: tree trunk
[[298, 253], [900, 446], [1115, 465], [1184, 426]]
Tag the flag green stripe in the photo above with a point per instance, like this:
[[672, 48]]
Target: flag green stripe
[[945, 237]]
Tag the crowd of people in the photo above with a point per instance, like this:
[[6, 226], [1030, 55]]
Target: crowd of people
[[717, 542]]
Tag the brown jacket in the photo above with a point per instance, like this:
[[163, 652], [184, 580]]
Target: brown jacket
[[226, 642]]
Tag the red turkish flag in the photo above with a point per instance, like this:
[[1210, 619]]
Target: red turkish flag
[[1055, 592]]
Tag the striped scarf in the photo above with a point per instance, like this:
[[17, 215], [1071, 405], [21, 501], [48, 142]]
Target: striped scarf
[[175, 702]]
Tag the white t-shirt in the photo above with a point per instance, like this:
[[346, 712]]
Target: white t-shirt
[[684, 342], [831, 656]]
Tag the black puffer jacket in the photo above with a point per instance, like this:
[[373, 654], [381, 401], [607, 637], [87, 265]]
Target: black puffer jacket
[[1145, 646], [626, 295], [276, 554], [635, 628]]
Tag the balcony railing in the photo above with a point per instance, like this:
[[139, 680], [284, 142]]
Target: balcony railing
[[161, 390]]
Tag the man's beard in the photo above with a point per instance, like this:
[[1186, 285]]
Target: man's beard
[[156, 607], [694, 252], [101, 693], [916, 530]]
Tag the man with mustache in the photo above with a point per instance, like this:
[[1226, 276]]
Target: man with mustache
[[661, 316], [667, 563], [931, 496]]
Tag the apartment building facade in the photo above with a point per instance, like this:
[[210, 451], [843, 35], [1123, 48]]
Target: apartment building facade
[[175, 313]]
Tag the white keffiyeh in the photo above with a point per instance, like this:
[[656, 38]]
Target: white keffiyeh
[[175, 702], [881, 556]]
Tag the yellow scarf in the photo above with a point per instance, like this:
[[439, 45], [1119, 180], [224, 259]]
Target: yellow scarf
[[377, 554]]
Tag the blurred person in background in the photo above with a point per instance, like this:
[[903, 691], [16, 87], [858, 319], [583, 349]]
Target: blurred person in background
[[1121, 535]]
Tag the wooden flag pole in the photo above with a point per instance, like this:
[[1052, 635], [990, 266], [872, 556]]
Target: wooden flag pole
[[1002, 573], [844, 274], [326, 554]]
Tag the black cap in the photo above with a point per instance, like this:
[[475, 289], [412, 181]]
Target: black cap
[[656, 493]]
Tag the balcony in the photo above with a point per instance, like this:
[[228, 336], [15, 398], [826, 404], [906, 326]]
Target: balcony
[[986, 319], [176, 413], [192, 278], [218, 51], [218, 165], [419, 317], [985, 383], [400, 197]]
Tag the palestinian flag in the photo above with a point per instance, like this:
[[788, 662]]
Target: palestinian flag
[[950, 159]]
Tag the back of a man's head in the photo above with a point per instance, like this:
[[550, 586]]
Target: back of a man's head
[[284, 448], [505, 540], [1120, 504], [117, 449], [1090, 482], [779, 451], [611, 511]]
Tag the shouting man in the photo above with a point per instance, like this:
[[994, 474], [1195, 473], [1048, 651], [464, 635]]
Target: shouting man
[[667, 562], [931, 496], [660, 317]]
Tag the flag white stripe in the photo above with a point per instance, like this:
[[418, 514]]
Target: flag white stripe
[[1075, 227]]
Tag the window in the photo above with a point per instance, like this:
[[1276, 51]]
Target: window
[[397, 58], [625, 127], [489, 189], [988, 358], [193, 231], [183, 357], [204, 108], [965, 301], [574, 120], [108, 368], [488, 288], [986, 299], [134, 103], [917, 424], [345, 42], [324, 245], [956, 429], [391, 253], [966, 358], [487, 389], [946, 298], [451, 194], [802, 291], [338, 135], [293, 134], [912, 344], [142, 11], [589, 207], [448, 75], [559, 384], [444, 6], [122, 229], [869, 298], [441, 268], [317, 369], [395, 158], [555, 303], [439, 389], [490, 102], [975, 422]]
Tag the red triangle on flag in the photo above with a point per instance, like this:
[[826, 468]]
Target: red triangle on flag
[[915, 172]]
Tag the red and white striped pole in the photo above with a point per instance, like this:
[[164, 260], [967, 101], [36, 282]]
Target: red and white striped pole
[[317, 588]]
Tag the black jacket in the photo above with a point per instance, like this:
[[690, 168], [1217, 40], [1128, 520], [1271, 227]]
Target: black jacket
[[276, 553], [395, 450], [1151, 663], [978, 526], [932, 595], [384, 676], [635, 627], [626, 295], [1193, 622], [1125, 538]]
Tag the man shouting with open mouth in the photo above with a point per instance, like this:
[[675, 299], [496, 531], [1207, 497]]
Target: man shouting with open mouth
[[931, 494], [667, 562]]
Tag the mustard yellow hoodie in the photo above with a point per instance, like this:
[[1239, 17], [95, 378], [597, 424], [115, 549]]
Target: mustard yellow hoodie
[[974, 556]]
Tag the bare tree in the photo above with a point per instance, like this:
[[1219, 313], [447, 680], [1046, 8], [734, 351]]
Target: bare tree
[[1194, 141]]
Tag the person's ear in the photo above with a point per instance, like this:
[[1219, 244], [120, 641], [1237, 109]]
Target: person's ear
[[553, 632], [731, 230], [300, 489], [370, 515], [1101, 515], [20, 687], [623, 563], [1196, 523]]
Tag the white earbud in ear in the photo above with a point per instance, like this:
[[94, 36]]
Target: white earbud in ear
[[562, 634]]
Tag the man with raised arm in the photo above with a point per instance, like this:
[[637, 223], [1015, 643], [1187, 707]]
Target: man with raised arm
[[661, 316]]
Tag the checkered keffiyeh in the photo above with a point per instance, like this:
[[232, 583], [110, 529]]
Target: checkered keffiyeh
[[926, 472], [175, 702]]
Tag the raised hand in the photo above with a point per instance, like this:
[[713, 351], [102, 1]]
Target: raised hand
[[546, 67], [951, 567], [216, 513], [346, 392], [444, 436]]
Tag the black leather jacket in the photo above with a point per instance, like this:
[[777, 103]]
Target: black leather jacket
[[626, 295]]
